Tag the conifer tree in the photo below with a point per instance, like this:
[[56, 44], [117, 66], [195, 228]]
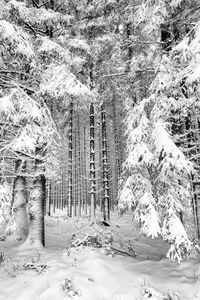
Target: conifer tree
[[157, 173]]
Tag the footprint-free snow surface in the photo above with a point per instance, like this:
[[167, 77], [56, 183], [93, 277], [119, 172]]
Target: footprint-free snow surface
[[86, 273]]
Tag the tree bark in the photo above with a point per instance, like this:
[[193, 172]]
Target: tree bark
[[19, 202], [36, 235], [106, 192], [92, 165], [70, 198]]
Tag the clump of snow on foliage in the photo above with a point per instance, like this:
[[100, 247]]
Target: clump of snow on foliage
[[174, 231], [58, 81], [158, 179], [52, 48], [32, 126], [35, 16], [78, 43], [6, 210], [13, 35], [174, 158], [146, 213]]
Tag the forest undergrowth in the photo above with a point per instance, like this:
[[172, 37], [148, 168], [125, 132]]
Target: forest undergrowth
[[86, 260]]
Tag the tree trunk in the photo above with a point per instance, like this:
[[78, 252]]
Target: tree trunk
[[70, 162], [80, 192], [106, 194], [19, 202], [85, 173], [92, 164], [36, 209]]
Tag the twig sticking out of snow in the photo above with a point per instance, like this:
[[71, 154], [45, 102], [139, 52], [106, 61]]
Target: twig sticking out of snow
[[39, 268], [153, 294], [68, 288]]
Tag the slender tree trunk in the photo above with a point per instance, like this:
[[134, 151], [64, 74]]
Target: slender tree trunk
[[75, 183], [70, 188], [92, 164], [48, 205], [85, 173], [80, 192], [36, 208], [117, 167], [106, 196], [20, 201]]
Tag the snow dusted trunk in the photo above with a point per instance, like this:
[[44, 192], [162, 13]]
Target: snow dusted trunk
[[80, 192], [92, 164], [117, 167], [36, 208], [106, 197], [70, 198], [85, 173], [75, 169], [19, 202]]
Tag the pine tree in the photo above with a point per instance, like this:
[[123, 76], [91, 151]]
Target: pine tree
[[157, 173]]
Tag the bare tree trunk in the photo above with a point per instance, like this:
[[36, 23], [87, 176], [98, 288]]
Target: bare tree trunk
[[70, 198], [36, 209], [106, 194], [48, 205], [117, 170], [80, 192], [74, 179], [92, 164], [20, 201], [85, 173]]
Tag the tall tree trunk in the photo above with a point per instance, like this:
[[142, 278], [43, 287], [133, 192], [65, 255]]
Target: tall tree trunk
[[74, 179], [36, 208], [117, 170], [92, 164], [20, 201], [80, 192], [70, 189], [106, 196], [85, 172]]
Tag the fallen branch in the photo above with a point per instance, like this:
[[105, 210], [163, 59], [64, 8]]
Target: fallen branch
[[124, 252]]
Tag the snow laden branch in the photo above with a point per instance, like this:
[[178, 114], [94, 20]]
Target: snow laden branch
[[16, 39], [31, 128], [57, 81], [36, 19], [157, 174], [158, 188], [6, 211]]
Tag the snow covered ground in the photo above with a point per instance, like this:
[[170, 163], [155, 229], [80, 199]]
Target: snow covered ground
[[88, 274]]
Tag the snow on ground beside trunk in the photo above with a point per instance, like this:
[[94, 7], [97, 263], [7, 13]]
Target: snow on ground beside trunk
[[94, 275]]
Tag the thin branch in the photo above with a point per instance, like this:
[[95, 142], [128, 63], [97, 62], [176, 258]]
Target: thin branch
[[30, 27], [38, 157], [44, 4], [35, 3], [59, 6]]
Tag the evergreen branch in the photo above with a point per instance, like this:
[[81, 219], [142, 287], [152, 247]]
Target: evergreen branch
[[14, 72], [125, 73], [39, 6], [35, 3], [59, 6], [44, 4], [30, 27]]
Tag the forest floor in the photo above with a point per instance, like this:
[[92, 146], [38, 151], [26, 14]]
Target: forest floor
[[87, 273]]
